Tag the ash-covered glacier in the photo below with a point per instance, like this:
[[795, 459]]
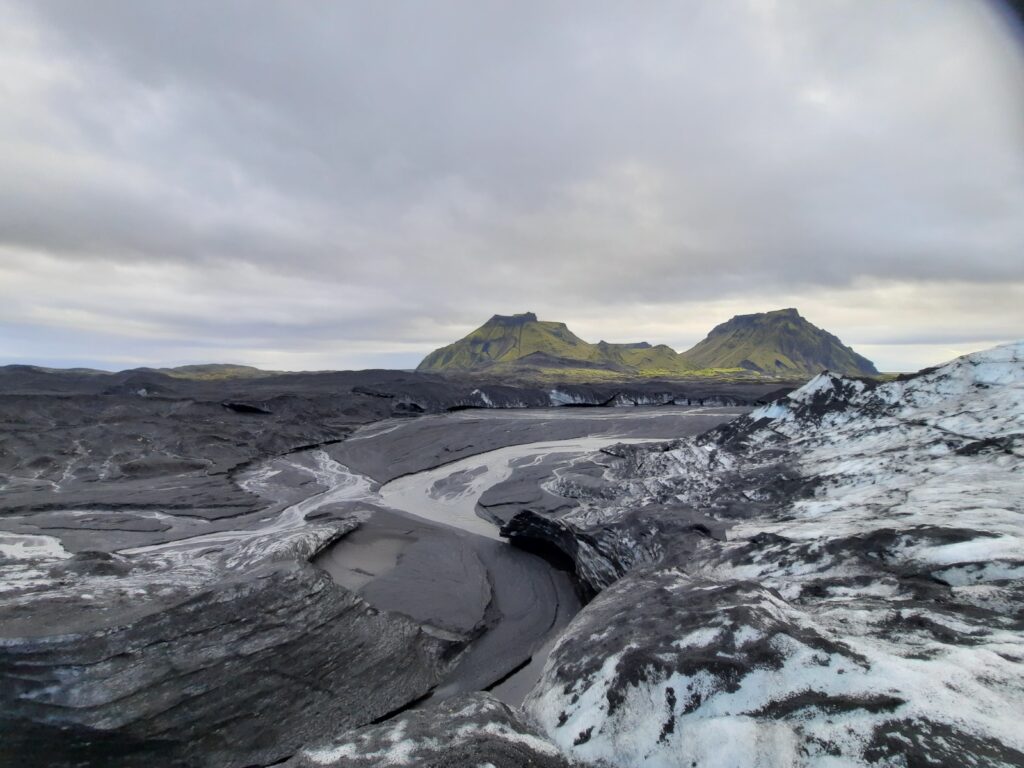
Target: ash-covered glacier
[[836, 578], [469, 730]]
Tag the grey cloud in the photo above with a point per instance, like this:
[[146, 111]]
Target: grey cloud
[[430, 164]]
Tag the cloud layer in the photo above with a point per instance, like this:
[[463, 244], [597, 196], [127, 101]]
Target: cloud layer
[[303, 185]]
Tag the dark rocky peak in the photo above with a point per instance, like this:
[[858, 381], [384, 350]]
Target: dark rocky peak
[[756, 319], [513, 320], [627, 345]]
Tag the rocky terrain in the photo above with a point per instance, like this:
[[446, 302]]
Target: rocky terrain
[[832, 578], [141, 438], [856, 597], [779, 344], [171, 589]]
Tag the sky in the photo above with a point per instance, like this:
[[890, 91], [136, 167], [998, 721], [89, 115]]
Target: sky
[[310, 185]]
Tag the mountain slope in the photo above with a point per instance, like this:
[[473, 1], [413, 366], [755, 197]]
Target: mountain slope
[[506, 338], [524, 341], [779, 343]]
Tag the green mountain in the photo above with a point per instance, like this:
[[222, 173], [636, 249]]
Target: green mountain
[[506, 339], [524, 344], [779, 343]]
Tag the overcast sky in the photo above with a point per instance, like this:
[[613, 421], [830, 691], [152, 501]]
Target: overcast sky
[[310, 185]]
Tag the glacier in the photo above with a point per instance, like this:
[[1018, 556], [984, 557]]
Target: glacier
[[862, 607]]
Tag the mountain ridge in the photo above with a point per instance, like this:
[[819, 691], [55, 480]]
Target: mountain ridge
[[780, 344]]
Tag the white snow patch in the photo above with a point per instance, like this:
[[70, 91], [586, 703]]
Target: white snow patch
[[980, 573], [19, 546], [699, 638], [982, 548], [770, 411], [484, 397], [559, 397]]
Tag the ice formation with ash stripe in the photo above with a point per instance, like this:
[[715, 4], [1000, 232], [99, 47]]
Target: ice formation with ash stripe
[[863, 603]]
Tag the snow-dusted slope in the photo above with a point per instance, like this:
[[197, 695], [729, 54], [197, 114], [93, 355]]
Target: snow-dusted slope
[[865, 608], [470, 730]]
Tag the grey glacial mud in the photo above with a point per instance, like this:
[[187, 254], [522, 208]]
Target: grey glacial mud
[[390, 450], [432, 575], [525, 601], [194, 643], [157, 602]]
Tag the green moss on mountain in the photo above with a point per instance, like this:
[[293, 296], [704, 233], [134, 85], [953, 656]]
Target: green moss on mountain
[[511, 338], [215, 372], [524, 342], [779, 343]]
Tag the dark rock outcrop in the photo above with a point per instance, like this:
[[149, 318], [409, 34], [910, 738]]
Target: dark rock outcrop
[[202, 682]]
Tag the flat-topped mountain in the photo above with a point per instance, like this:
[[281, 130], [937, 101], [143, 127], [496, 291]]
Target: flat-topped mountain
[[523, 341], [509, 337], [779, 344]]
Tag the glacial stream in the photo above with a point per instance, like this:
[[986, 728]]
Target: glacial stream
[[449, 494], [422, 549], [531, 600]]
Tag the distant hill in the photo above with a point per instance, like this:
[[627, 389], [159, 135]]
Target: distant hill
[[779, 343], [214, 371]]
